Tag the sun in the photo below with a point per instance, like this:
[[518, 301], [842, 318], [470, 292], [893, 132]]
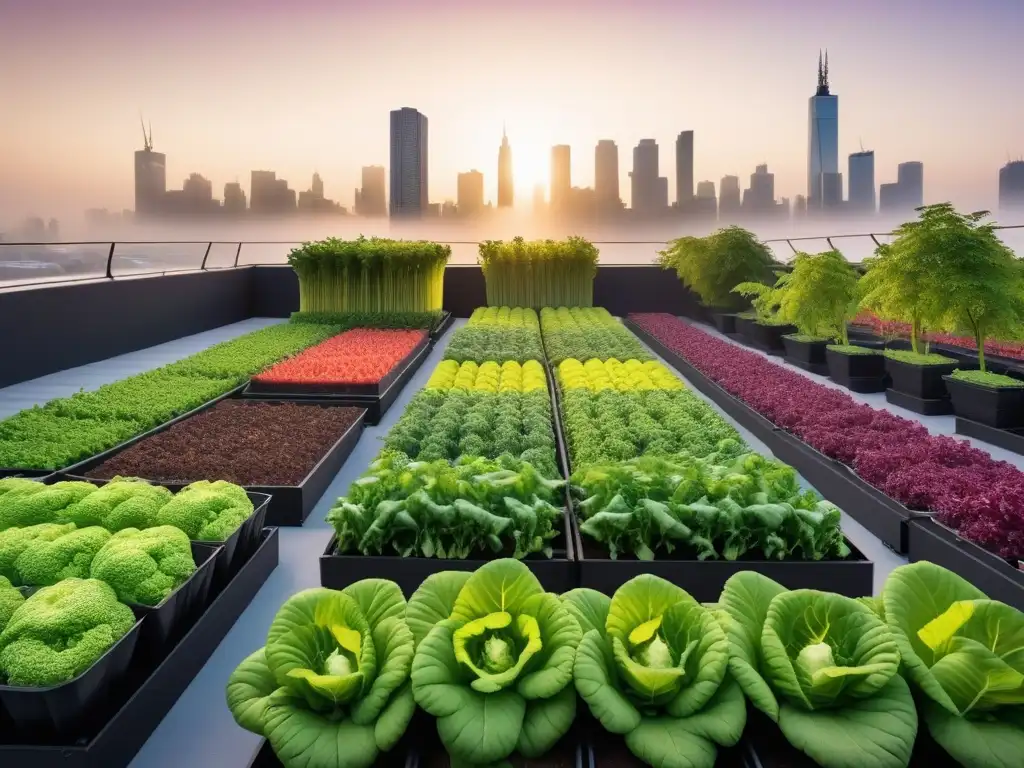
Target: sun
[[531, 167]]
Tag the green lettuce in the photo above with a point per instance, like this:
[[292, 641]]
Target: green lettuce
[[825, 668], [964, 654], [653, 667], [330, 689], [494, 661]]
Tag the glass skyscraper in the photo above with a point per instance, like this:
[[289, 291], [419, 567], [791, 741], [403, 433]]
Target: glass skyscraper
[[823, 146]]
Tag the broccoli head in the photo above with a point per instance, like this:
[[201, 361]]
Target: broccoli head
[[145, 566], [23, 506], [10, 600], [121, 503], [14, 541], [68, 556], [207, 511], [60, 631]]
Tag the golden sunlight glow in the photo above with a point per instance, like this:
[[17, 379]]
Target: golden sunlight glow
[[531, 165]]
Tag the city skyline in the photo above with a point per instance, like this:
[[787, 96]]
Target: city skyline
[[232, 86]]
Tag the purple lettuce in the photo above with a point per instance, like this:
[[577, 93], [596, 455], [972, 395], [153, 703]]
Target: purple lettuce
[[979, 497]]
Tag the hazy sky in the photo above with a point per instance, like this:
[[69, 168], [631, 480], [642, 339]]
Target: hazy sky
[[303, 85]]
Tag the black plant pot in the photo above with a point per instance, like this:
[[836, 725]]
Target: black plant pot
[[924, 382], [1000, 407], [858, 373], [768, 338], [744, 326], [808, 355], [725, 322]]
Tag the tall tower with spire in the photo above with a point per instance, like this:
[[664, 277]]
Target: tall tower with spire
[[505, 186], [824, 182]]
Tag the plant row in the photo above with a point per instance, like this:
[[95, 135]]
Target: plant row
[[494, 333], [358, 356], [980, 498], [370, 275], [587, 334], [660, 473], [541, 273], [500, 665], [70, 429]]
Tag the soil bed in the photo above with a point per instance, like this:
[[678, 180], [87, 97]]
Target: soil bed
[[249, 443]]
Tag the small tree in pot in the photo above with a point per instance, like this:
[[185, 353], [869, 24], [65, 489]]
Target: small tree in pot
[[768, 328]]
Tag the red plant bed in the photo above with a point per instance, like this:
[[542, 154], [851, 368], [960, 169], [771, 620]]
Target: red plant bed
[[980, 498], [894, 329], [359, 356]]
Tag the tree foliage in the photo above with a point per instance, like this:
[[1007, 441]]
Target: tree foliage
[[820, 295], [712, 266]]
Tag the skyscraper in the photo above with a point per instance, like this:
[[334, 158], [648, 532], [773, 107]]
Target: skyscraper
[[705, 203], [1011, 185], [471, 193], [561, 177], [823, 144], [234, 197], [760, 198], [910, 177], [729, 196], [505, 186], [408, 162], [317, 187], [684, 168], [606, 175], [370, 198], [649, 191], [150, 177], [862, 181]]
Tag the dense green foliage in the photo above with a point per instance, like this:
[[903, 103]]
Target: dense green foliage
[[820, 295], [124, 502], [712, 266], [344, 321], [67, 430], [14, 541], [207, 511], [47, 561], [988, 379], [539, 273], [370, 275], [330, 689], [917, 358], [853, 349], [28, 502], [653, 666], [60, 631], [480, 343], [10, 600], [493, 662], [144, 567], [587, 334]]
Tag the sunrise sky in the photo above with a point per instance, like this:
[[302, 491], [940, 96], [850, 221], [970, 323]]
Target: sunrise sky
[[303, 85]]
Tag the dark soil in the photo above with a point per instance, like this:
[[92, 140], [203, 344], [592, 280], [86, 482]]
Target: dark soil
[[247, 443]]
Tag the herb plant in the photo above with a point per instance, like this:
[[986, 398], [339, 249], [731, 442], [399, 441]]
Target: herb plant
[[820, 295], [586, 334]]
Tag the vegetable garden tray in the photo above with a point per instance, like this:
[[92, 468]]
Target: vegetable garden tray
[[447, 318], [1008, 439], [881, 515], [31, 474], [996, 577], [147, 693], [289, 505]]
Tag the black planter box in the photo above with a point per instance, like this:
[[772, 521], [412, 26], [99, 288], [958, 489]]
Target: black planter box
[[999, 407], [136, 706], [403, 369], [767, 338], [59, 709], [937, 407], [236, 548], [744, 326], [725, 322], [29, 474], [289, 504], [924, 382], [807, 355], [442, 327], [858, 373], [996, 577], [169, 619], [1007, 439]]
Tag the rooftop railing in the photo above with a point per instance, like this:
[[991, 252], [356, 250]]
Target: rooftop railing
[[34, 263]]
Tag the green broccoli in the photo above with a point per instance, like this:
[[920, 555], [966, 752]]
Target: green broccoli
[[10, 600], [68, 556], [60, 631], [145, 566], [207, 511], [121, 503], [14, 541], [23, 506]]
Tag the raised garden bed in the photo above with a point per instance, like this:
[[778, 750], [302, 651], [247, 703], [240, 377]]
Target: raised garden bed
[[442, 326], [997, 577], [1007, 439], [997, 407], [919, 388], [924, 406], [806, 355], [34, 474], [858, 373], [136, 706], [767, 338], [288, 450], [725, 322]]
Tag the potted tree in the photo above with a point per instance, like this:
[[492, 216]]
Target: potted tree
[[904, 282], [765, 330], [819, 298], [984, 297], [710, 267]]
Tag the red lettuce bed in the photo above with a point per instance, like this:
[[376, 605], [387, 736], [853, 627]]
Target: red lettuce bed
[[979, 497], [894, 329]]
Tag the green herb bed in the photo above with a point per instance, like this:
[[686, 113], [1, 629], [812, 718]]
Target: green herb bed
[[587, 334]]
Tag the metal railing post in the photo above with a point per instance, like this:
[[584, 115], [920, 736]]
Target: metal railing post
[[206, 255], [238, 252], [110, 261]]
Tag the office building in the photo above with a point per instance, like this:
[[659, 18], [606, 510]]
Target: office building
[[471, 193], [269, 194], [409, 171], [234, 198], [317, 187], [561, 177], [799, 206], [823, 143], [706, 203], [760, 197], [910, 177], [1011, 185], [684, 168], [649, 190], [371, 199], [506, 189], [150, 178], [606, 175], [729, 200], [861, 179]]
